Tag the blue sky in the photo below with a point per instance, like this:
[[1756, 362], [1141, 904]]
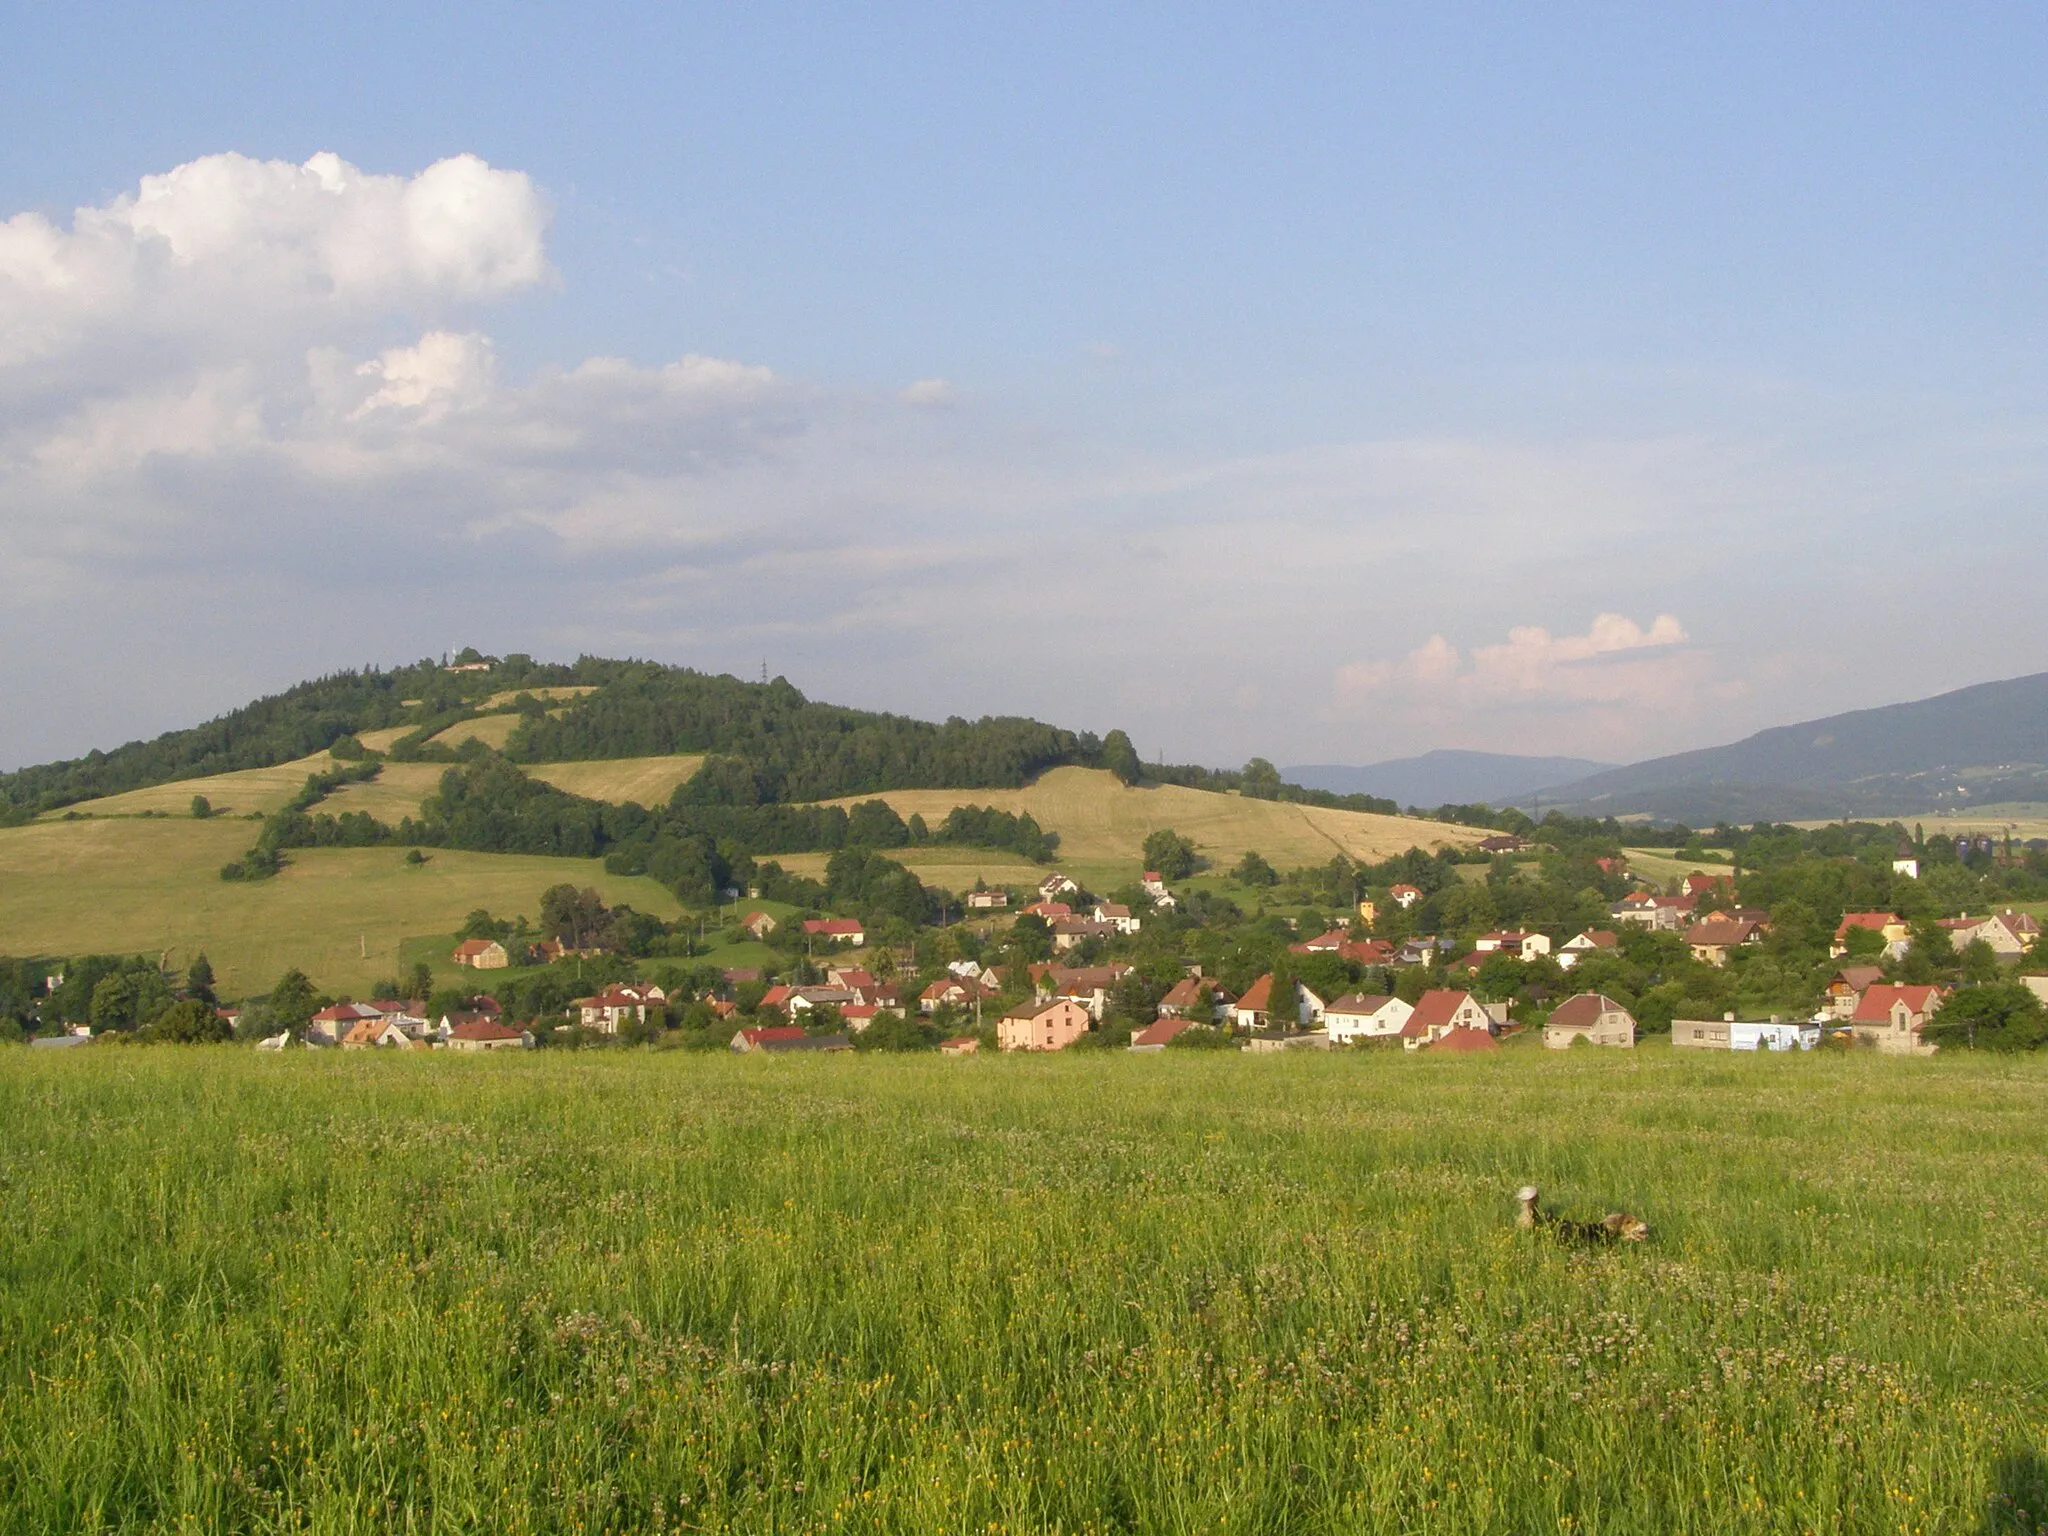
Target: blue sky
[[1330, 384]]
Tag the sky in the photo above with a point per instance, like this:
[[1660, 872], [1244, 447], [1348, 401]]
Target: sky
[[1327, 383]]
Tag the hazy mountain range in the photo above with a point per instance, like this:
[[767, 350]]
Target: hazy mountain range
[[1447, 777], [1982, 745]]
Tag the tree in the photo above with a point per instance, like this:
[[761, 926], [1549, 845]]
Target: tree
[[419, 982], [293, 1000], [1121, 758], [199, 980], [1260, 780], [1254, 870], [577, 918], [1172, 855], [191, 1022], [1999, 1016], [201, 807], [1979, 961]]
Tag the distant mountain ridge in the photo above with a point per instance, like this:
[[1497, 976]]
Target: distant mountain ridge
[[1447, 776], [1978, 745]]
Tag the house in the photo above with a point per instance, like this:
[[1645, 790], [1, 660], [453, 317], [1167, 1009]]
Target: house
[[1404, 896], [275, 1042], [1888, 926], [1711, 941], [1729, 1033], [2009, 933], [1365, 1016], [1439, 1011], [1197, 998], [1366, 952], [617, 1003], [1042, 1026], [1905, 864], [1890, 1018], [775, 999], [70, 1038], [759, 924], [551, 950], [951, 992], [367, 1034], [1368, 911], [409, 1014], [1646, 909], [853, 978], [1056, 885], [1503, 842], [1072, 932], [1161, 1033], [482, 955], [760, 1035], [1117, 915], [1592, 1017], [1255, 1009], [803, 1043], [1611, 866], [331, 1025], [1155, 887], [1523, 946], [1593, 941], [1423, 951], [1847, 985], [1462, 1039], [482, 1034], [959, 1045], [986, 901], [1322, 944], [1264, 1040], [1698, 884], [1087, 985], [1049, 911], [837, 930], [739, 975], [804, 999]]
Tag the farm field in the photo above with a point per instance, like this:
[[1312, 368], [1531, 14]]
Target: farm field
[[956, 869], [148, 886], [235, 794], [648, 781], [647, 1292], [1104, 822], [1658, 864]]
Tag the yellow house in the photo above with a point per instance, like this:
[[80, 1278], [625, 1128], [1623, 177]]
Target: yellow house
[[1368, 913]]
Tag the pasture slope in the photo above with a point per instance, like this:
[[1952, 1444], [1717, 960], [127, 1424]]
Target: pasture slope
[[636, 1292], [135, 872], [1102, 820], [120, 886]]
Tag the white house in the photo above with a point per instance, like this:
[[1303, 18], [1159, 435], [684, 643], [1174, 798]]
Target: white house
[[1592, 942], [1729, 1033], [1355, 1016]]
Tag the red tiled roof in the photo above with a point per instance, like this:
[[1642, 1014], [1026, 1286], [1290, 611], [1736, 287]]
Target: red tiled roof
[[1875, 1005], [1162, 1032], [772, 1032], [1436, 1008], [833, 927], [1583, 1011], [1464, 1038], [1258, 996], [1874, 921], [482, 1029]]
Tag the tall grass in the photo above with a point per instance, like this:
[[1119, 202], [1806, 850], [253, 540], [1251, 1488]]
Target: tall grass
[[650, 1293]]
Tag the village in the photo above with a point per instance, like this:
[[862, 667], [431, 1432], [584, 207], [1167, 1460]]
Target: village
[[1346, 988]]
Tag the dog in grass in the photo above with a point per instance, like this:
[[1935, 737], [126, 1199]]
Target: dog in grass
[[1614, 1227]]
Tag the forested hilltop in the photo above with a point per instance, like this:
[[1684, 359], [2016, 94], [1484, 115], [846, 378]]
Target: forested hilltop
[[766, 743]]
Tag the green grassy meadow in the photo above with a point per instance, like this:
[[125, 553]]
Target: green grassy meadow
[[143, 886], [657, 1292]]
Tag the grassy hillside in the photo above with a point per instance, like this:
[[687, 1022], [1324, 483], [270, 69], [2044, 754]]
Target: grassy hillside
[[232, 794], [1249, 1295], [647, 781], [1102, 821], [340, 914]]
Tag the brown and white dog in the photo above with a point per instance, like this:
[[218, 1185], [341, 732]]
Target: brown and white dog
[[1614, 1227]]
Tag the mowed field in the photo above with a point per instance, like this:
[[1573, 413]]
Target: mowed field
[[1102, 821], [647, 781], [233, 794], [639, 1292], [149, 887]]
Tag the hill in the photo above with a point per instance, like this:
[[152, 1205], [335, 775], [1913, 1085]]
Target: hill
[[1447, 777], [1103, 823], [660, 785], [1974, 745]]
